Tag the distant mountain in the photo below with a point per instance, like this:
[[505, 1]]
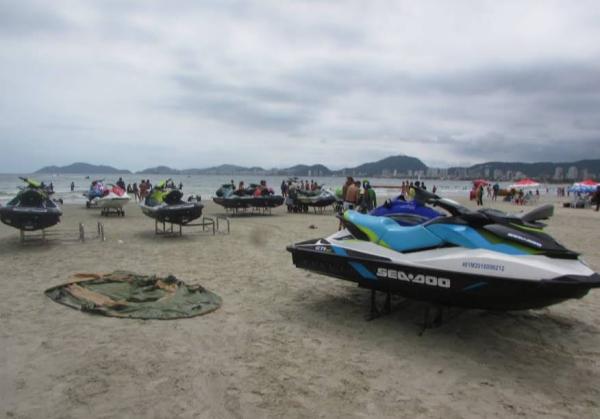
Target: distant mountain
[[81, 168], [159, 170], [225, 169], [394, 166], [390, 166], [305, 170]]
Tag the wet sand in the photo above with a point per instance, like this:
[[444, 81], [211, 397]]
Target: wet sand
[[285, 342]]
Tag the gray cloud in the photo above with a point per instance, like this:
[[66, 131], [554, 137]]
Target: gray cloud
[[300, 80], [29, 18]]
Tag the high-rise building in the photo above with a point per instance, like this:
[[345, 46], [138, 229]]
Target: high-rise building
[[558, 174]]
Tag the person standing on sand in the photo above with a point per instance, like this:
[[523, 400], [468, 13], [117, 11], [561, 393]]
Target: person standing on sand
[[479, 194], [283, 188], [596, 196], [72, 186], [349, 181], [411, 192], [142, 190], [352, 193], [369, 197]]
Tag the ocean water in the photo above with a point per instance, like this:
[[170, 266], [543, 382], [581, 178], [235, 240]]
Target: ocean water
[[206, 185]]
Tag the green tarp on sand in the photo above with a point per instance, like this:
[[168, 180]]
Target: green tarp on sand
[[128, 295]]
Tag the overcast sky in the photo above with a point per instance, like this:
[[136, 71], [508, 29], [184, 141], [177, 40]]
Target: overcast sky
[[275, 83]]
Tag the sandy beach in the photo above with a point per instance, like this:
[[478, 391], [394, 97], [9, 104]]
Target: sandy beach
[[285, 343]]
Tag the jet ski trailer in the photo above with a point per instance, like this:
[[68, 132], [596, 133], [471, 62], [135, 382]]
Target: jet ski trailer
[[483, 260]]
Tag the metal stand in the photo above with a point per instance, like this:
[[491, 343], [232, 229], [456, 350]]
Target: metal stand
[[234, 212], [207, 224], [374, 311], [429, 321], [64, 235], [120, 212]]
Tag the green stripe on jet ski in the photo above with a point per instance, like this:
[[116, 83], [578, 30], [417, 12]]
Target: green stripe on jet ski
[[498, 240], [373, 237], [522, 227]]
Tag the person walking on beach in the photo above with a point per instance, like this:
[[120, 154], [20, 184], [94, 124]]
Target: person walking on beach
[[136, 192], [479, 194], [596, 196], [72, 186], [495, 190]]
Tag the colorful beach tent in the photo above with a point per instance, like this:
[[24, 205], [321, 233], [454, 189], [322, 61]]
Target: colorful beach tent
[[525, 183], [587, 186]]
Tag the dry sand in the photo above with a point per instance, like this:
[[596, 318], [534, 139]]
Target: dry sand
[[285, 343]]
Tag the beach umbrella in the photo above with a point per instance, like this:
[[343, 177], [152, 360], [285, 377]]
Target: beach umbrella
[[478, 182], [587, 186], [525, 183]]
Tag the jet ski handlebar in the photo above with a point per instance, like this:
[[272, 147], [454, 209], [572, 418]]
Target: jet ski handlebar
[[454, 208]]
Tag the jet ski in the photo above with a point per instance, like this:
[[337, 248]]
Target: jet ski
[[164, 204], [485, 259], [114, 198], [97, 190], [406, 213], [302, 199], [32, 209], [253, 196]]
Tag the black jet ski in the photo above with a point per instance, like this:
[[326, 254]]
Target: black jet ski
[[300, 200], [485, 259], [32, 209], [258, 196], [164, 204]]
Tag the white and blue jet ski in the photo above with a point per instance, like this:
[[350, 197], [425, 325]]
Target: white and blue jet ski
[[485, 259]]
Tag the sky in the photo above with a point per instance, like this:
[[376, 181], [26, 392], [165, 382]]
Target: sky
[[192, 84]]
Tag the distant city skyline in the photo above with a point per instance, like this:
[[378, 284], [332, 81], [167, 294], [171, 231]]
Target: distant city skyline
[[274, 84]]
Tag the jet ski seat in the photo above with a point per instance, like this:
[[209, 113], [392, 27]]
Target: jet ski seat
[[542, 212], [388, 233], [529, 218]]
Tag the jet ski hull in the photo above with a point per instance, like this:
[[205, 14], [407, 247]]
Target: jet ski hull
[[179, 214], [437, 286], [316, 201], [116, 202], [30, 218], [272, 201]]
